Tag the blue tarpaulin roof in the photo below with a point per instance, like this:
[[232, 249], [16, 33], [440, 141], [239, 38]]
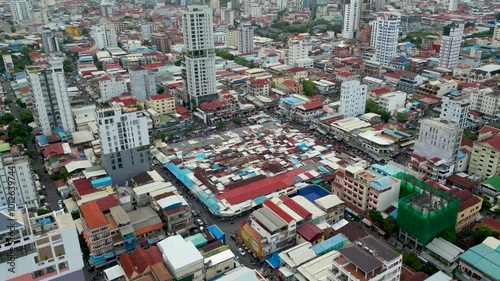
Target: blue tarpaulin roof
[[394, 213], [216, 231], [20, 75], [274, 260], [101, 182], [42, 140], [332, 243]]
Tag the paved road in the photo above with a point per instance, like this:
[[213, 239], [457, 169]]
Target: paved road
[[50, 192]]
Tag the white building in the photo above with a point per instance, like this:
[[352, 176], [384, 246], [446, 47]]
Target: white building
[[112, 86], [245, 44], [385, 32], [182, 258], [107, 8], [142, 83], [254, 9], [123, 132], [50, 42], [45, 247], [232, 37], [197, 26], [147, 31], [392, 101], [48, 85], [298, 51], [104, 36], [16, 167], [353, 97], [484, 101], [450, 44], [495, 40], [39, 16], [352, 16], [455, 109], [21, 11], [453, 5]]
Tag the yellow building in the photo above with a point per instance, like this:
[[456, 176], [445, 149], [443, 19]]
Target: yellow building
[[161, 103], [469, 208], [298, 73], [485, 157], [251, 238], [73, 30]]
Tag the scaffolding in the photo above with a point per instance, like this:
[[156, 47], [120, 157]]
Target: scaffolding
[[423, 210]]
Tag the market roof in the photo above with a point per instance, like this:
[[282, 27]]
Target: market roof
[[485, 257], [444, 249], [269, 220], [493, 182]]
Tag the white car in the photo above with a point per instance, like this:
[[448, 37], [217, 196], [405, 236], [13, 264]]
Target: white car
[[240, 250]]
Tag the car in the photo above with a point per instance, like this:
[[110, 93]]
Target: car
[[252, 262], [199, 222], [240, 250]]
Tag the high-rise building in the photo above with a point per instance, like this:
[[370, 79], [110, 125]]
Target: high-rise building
[[123, 132], [227, 16], [298, 51], [385, 37], [142, 82], [107, 9], [450, 44], [455, 108], [50, 42], [45, 247], [215, 4], [17, 167], [200, 81], [245, 44], [299, 5], [495, 40], [453, 5], [163, 42], [235, 5], [147, 31], [104, 36], [21, 11], [353, 97], [352, 15], [485, 101], [112, 86], [484, 161], [39, 16], [49, 88]]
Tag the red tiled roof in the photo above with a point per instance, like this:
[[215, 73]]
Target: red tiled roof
[[161, 96], [213, 104], [93, 215], [148, 228], [127, 264], [353, 207], [290, 83], [105, 78], [494, 142], [24, 89], [142, 260], [295, 207], [467, 142], [491, 222], [259, 82], [155, 254], [296, 69], [182, 110], [395, 75], [107, 202], [485, 129], [278, 211], [126, 100], [312, 104], [83, 186], [380, 91], [55, 149], [345, 74], [309, 232], [154, 65], [261, 187]]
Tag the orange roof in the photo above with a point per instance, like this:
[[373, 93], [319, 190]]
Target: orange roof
[[148, 228], [93, 215], [161, 96]]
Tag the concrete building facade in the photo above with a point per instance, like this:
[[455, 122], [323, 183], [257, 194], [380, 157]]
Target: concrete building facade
[[245, 44], [352, 17], [353, 97], [142, 83], [112, 86], [450, 44], [385, 34]]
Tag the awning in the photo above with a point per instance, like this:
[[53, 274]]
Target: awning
[[274, 261], [367, 222]]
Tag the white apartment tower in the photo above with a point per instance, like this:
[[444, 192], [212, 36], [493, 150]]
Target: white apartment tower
[[298, 51], [39, 16], [245, 44], [107, 9], [45, 246], [453, 5], [147, 31], [450, 44], [48, 85], [21, 11], [112, 86], [455, 109], [142, 83], [353, 97], [200, 81], [104, 36], [17, 167], [123, 132], [385, 32], [50, 42], [352, 16], [495, 40], [439, 139]]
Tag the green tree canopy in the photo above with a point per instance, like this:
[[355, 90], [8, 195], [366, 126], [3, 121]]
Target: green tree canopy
[[221, 125], [411, 259], [309, 88], [68, 66], [26, 116], [482, 233], [449, 235], [236, 120], [16, 129], [389, 225], [6, 118], [375, 216], [402, 117]]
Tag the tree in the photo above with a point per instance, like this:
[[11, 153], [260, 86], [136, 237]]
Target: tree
[[224, 54], [486, 206], [482, 233], [496, 212], [160, 90], [178, 62], [221, 125], [12, 29], [26, 116], [449, 235], [385, 115], [375, 216], [470, 135], [7, 101], [85, 31], [42, 212], [193, 127], [236, 120], [402, 117], [371, 106], [389, 225], [309, 88], [16, 129], [411, 259], [68, 66], [100, 66], [6, 118], [20, 103]]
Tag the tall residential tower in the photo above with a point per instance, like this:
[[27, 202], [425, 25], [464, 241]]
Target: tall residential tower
[[200, 81], [385, 37], [450, 44], [245, 44], [352, 15]]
